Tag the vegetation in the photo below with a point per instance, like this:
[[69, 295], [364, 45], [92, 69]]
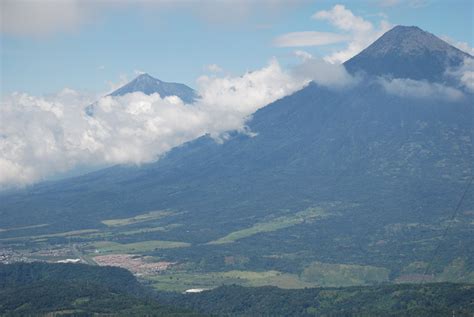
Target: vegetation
[[325, 274], [181, 281], [75, 289], [428, 300], [152, 215], [137, 247], [82, 290], [272, 225]]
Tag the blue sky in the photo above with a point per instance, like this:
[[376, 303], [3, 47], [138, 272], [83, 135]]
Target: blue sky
[[88, 45]]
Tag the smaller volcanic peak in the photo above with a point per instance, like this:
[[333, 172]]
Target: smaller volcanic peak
[[149, 85], [408, 52]]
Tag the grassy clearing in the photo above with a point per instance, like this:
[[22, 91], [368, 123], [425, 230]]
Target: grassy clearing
[[44, 237], [137, 247], [325, 274], [23, 228], [179, 282], [110, 233], [152, 215], [147, 230], [272, 225]]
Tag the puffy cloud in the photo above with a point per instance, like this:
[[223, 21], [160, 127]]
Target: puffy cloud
[[322, 72], [361, 32], [357, 32], [213, 68], [310, 38], [344, 19], [404, 87], [464, 74], [43, 136], [303, 55]]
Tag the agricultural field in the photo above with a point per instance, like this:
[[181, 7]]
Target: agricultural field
[[332, 275], [181, 281], [275, 224], [137, 247], [152, 215]]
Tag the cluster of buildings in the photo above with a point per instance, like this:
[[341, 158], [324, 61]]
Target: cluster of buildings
[[136, 264]]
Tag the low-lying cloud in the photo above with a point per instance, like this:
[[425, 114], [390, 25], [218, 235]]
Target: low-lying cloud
[[410, 88], [322, 72], [464, 74], [43, 136]]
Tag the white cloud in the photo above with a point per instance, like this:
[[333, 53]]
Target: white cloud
[[464, 74], [213, 68], [303, 55], [343, 19], [388, 3], [47, 17], [310, 38], [33, 17], [463, 46], [404, 87], [123, 79], [357, 32], [362, 32], [323, 72], [43, 136], [415, 4]]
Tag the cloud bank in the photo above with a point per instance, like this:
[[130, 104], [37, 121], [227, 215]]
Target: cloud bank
[[405, 87], [43, 136]]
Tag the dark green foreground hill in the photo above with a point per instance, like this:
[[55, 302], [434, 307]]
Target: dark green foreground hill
[[38, 289], [443, 299]]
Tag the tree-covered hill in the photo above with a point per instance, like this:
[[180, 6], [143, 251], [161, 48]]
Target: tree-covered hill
[[37, 289], [385, 300]]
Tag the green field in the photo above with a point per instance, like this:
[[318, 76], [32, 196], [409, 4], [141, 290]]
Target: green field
[[23, 228], [152, 215], [137, 247], [181, 281], [309, 215], [44, 237], [326, 274]]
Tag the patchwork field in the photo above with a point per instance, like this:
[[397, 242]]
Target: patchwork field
[[173, 254]]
